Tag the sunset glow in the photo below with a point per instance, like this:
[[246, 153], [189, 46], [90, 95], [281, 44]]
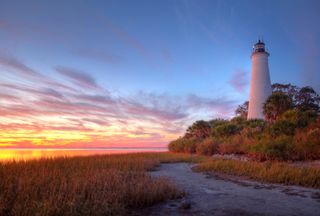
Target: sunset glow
[[87, 74]]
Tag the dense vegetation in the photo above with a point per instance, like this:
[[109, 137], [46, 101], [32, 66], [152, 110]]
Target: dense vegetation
[[95, 185], [290, 131]]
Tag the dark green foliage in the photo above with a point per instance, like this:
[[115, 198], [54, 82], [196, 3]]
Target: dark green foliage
[[238, 120], [282, 127], [279, 148], [216, 122], [226, 129], [199, 129], [276, 105], [298, 118]]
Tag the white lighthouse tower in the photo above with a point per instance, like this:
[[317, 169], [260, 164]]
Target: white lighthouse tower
[[260, 85]]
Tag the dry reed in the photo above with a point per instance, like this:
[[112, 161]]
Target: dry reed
[[95, 185]]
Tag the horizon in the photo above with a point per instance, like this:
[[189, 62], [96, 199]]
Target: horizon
[[94, 74]]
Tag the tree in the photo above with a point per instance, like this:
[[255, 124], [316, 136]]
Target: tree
[[199, 129], [242, 110], [275, 105], [308, 100], [288, 89]]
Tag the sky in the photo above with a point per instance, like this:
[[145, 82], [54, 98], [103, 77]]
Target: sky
[[123, 73]]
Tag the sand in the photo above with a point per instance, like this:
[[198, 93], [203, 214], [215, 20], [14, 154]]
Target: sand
[[221, 195]]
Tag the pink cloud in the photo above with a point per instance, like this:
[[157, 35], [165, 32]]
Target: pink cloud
[[239, 80], [220, 105]]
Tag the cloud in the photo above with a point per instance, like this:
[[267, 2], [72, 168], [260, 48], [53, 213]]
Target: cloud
[[78, 77], [97, 121], [54, 116], [100, 56], [8, 97], [162, 107], [127, 38], [100, 99], [239, 80], [221, 106], [39, 92], [137, 109], [18, 66]]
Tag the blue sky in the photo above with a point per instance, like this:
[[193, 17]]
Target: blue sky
[[182, 59]]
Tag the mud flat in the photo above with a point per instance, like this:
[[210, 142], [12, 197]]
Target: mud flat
[[224, 195]]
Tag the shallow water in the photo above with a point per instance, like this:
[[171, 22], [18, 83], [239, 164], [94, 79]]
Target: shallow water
[[28, 154]]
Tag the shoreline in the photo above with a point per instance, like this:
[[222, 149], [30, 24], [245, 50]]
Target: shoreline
[[215, 194]]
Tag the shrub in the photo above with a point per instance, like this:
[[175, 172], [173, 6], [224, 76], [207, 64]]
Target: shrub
[[279, 148], [176, 145], [183, 144], [233, 145], [216, 122], [238, 120], [199, 129], [307, 144], [225, 130], [282, 127], [298, 118], [207, 147]]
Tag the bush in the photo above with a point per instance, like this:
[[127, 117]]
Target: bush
[[233, 145], [279, 148], [293, 136], [176, 145], [307, 144], [298, 118], [269, 148], [207, 147], [282, 127], [187, 145], [225, 130]]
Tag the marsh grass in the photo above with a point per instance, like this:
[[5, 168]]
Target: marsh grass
[[273, 172], [94, 185]]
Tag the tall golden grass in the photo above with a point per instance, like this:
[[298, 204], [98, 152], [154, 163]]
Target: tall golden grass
[[273, 172], [95, 185]]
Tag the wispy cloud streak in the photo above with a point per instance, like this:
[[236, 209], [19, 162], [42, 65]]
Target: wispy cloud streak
[[77, 77]]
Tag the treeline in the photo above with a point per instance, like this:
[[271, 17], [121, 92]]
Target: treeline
[[290, 131]]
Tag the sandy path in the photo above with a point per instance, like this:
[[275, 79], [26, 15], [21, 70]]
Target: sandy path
[[216, 196]]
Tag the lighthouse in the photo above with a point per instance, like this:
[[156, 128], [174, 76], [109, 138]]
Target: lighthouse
[[260, 84]]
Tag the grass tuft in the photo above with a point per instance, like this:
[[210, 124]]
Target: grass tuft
[[273, 172]]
